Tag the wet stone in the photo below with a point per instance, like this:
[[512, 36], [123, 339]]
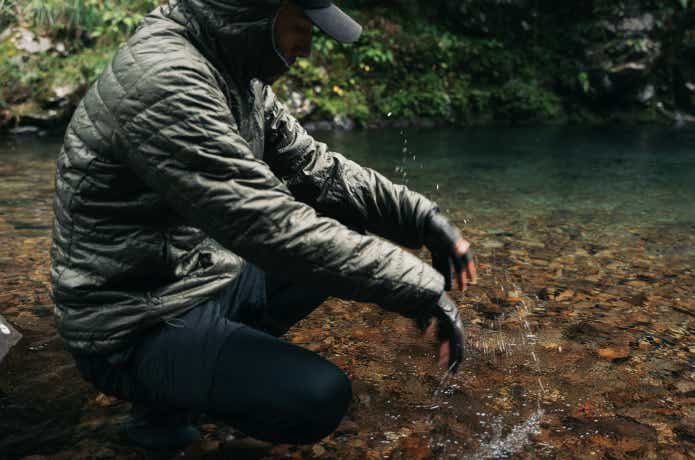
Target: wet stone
[[685, 387], [614, 353]]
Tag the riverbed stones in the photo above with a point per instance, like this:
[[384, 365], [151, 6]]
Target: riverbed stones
[[635, 402], [616, 353]]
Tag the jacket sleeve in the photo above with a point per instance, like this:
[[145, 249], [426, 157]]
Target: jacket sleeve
[[339, 187], [183, 142]]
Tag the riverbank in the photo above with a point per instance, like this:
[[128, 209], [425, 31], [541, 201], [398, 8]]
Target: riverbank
[[420, 63]]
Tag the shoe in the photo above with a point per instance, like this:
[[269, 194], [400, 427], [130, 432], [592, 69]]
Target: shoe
[[160, 429]]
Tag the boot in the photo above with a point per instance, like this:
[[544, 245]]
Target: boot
[[160, 429]]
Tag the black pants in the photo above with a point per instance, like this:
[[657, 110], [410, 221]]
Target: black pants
[[217, 359]]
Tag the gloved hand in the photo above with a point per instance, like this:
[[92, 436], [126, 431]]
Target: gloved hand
[[447, 246], [449, 330]]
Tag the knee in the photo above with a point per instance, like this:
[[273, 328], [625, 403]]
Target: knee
[[328, 399]]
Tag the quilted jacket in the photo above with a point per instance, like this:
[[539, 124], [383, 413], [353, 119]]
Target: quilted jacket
[[180, 165]]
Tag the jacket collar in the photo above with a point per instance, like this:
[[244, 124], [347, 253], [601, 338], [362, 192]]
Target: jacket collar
[[235, 35]]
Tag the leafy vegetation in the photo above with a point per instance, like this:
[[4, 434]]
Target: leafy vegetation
[[467, 61]]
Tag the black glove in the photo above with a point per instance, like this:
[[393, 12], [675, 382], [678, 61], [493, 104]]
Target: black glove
[[449, 327], [440, 237]]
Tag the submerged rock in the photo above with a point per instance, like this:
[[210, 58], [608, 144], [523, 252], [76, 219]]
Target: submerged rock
[[614, 353], [686, 429]]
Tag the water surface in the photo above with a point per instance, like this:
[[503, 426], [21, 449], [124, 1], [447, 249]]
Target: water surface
[[579, 333]]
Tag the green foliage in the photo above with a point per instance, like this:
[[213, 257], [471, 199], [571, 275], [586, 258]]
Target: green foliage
[[90, 29], [462, 61], [422, 95], [520, 100], [584, 83], [372, 51], [13, 88], [109, 21]]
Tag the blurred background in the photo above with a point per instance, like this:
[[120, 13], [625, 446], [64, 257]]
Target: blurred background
[[464, 62]]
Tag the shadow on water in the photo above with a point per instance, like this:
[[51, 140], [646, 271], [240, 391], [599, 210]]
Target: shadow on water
[[579, 336]]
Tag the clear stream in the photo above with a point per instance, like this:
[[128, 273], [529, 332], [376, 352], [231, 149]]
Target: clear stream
[[627, 176], [580, 332]]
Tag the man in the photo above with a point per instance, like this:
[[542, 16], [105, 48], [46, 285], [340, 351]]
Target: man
[[196, 221]]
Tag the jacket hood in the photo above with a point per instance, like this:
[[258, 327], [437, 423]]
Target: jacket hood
[[236, 35]]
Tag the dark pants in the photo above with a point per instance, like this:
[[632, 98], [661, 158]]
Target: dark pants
[[217, 359]]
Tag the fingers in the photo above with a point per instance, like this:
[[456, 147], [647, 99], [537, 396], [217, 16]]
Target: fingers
[[472, 271], [430, 332], [464, 256], [444, 354]]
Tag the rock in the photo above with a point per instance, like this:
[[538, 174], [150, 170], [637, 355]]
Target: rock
[[506, 298], [412, 448], [547, 293], [614, 353], [564, 295], [208, 428], [25, 130], [622, 65], [318, 450], [685, 387], [391, 435], [647, 94], [347, 426], [639, 300], [343, 122], [103, 453], [105, 400], [490, 310], [634, 26], [202, 448], [63, 93], [318, 126], [499, 232], [622, 434], [491, 244], [25, 40], [686, 429]]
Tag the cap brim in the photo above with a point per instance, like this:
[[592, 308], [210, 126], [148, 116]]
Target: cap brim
[[334, 22]]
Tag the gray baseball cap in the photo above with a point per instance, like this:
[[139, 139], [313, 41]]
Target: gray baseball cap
[[331, 20]]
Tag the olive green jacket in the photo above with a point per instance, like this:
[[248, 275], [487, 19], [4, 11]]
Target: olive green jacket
[[180, 165]]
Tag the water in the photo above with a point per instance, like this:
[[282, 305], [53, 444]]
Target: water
[[504, 446], [585, 244], [635, 175], [621, 176]]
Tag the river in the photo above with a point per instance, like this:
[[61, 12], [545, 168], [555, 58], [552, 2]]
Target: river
[[580, 333]]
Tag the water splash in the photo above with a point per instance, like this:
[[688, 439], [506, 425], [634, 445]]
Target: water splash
[[505, 446]]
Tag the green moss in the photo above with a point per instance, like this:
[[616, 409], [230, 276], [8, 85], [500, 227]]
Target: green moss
[[14, 87], [81, 68]]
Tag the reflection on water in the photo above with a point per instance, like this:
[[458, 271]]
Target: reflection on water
[[626, 176], [579, 335]]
